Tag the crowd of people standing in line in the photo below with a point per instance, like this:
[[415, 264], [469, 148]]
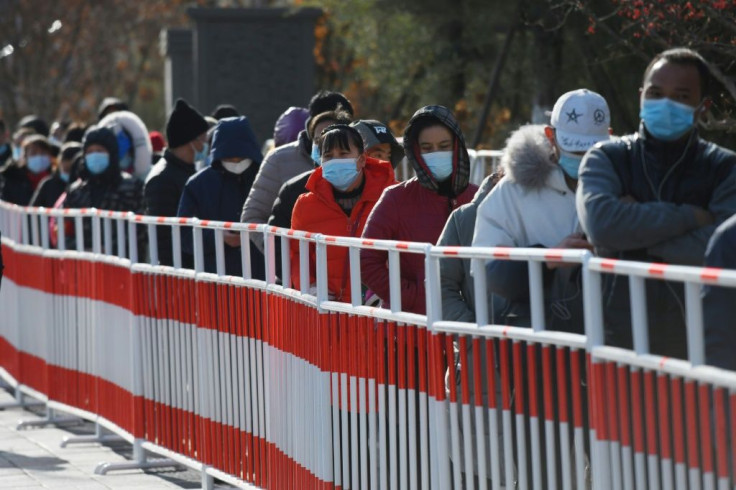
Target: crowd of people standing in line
[[662, 194]]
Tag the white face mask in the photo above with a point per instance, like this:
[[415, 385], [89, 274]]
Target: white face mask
[[239, 167]]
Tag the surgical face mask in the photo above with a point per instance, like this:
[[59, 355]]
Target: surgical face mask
[[56, 141], [237, 167], [3, 148], [200, 156], [439, 164], [570, 163], [16, 153], [666, 119], [64, 176], [39, 163], [315, 153], [97, 163], [340, 172]]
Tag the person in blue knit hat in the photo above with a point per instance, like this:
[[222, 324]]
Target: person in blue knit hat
[[218, 192]]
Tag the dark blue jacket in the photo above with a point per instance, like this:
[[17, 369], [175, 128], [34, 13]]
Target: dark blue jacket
[[719, 304], [216, 194]]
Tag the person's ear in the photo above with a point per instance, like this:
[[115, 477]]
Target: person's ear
[[360, 162], [549, 132], [610, 131], [703, 108]]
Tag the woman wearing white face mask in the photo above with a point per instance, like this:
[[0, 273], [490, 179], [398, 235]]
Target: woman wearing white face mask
[[341, 194], [21, 178], [218, 192]]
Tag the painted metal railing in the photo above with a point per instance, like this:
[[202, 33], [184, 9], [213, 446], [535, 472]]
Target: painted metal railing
[[265, 386]]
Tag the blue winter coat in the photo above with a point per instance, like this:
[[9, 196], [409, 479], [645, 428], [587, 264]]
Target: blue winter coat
[[216, 194]]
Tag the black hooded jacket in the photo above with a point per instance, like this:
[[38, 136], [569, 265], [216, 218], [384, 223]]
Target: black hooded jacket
[[112, 190]]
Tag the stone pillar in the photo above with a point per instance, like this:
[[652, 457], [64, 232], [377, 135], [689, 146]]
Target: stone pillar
[[260, 60], [176, 48]]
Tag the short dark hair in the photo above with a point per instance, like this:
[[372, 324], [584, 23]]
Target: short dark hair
[[684, 56], [75, 132], [338, 116], [326, 100], [2, 126], [341, 135]]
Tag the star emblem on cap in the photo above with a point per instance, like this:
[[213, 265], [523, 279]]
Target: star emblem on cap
[[573, 116]]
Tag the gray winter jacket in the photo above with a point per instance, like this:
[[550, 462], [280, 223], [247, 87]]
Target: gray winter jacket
[[280, 165], [666, 180], [458, 296]]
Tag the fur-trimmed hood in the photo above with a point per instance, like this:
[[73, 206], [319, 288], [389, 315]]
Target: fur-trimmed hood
[[528, 158]]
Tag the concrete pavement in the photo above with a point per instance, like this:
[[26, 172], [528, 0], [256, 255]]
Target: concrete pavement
[[32, 458]]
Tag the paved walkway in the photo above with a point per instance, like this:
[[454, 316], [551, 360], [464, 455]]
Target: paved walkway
[[32, 458]]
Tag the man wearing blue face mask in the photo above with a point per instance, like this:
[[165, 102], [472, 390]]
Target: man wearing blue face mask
[[533, 205], [658, 195]]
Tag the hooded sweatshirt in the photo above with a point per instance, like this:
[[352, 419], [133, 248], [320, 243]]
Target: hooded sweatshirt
[[213, 193], [318, 211], [415, 210]]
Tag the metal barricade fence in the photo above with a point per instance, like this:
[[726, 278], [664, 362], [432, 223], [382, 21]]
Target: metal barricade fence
[[672, 422], [262, 385]]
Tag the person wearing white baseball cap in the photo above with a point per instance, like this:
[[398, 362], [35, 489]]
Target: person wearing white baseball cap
[[533, 205]]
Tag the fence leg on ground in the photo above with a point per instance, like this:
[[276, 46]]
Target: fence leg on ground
[[208, 481], [20, 401], [99, 437], [140, 461], [50, 419]]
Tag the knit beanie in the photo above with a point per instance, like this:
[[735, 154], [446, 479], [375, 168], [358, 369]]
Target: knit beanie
[[184, 124]]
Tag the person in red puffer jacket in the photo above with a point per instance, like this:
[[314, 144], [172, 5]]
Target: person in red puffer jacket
[[341, 194], [416, 210]]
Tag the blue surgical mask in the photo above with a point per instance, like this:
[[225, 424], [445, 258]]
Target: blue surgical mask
[[315, 153], [666, 119], [3, 148], [97, 163], [39, 163], [201, 156], [16, 153], [439, 164], [570, 163], [64, 176], [340, 172]]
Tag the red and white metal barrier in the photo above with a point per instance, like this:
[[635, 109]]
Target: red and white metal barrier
[[265, 386]]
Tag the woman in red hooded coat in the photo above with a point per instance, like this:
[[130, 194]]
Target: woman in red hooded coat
[[341, 194]]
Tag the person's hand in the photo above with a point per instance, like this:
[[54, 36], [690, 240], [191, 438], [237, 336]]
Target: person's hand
[[703, 217], [231, 238], [575, 240], [628, 199]]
